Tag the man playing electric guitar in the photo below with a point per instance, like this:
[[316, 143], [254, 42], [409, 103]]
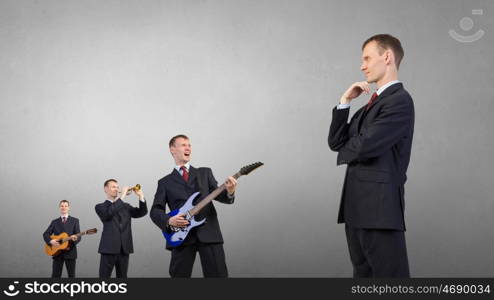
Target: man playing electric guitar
[[69, 225], [174, 189]]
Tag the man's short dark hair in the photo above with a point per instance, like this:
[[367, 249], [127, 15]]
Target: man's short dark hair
[[385, 42], [108, 182], [64, 201], [172, 140]]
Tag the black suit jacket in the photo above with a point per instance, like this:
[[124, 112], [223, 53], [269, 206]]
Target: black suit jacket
[[117, 229], [70, 227], [174, 191], [376, 146]]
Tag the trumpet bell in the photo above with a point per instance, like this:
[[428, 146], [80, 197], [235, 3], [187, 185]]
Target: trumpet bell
[[136, 188]]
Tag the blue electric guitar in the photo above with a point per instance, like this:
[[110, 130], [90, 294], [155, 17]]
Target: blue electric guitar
[[176, 235]]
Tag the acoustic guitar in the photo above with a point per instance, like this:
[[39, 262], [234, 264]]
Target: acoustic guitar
[[64, 239]]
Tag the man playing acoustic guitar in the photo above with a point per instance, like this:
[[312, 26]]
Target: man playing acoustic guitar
[[69, 225]]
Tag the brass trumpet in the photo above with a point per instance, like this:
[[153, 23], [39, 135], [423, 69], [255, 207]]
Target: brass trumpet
[[135, 189]]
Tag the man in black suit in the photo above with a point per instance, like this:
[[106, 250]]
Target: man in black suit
[[69, 225], [376, 146], [174, 190], [116, 240]]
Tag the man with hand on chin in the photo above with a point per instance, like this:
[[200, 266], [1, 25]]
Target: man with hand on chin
[[174, 189], [116, 240], [375, 145]]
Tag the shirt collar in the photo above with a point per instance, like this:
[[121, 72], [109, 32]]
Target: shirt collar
[[381, 89], [66, 216], [187, 166]]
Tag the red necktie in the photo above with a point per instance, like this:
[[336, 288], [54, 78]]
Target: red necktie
[[372, 99], [185, 174], [64, 220]]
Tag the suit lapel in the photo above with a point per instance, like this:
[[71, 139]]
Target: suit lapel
[[177, 177], [192, 174], [70, 224], [390, 90], [360, 115], [59, 225]]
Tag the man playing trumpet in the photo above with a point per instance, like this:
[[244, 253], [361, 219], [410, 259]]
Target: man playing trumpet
[[116, 239]]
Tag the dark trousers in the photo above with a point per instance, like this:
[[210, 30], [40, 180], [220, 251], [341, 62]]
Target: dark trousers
[[377, 252], [57, 267], [212, 260], [108, 261]]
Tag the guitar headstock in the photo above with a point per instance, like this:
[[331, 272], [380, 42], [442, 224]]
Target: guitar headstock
[[249, 168], [91, 231]]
